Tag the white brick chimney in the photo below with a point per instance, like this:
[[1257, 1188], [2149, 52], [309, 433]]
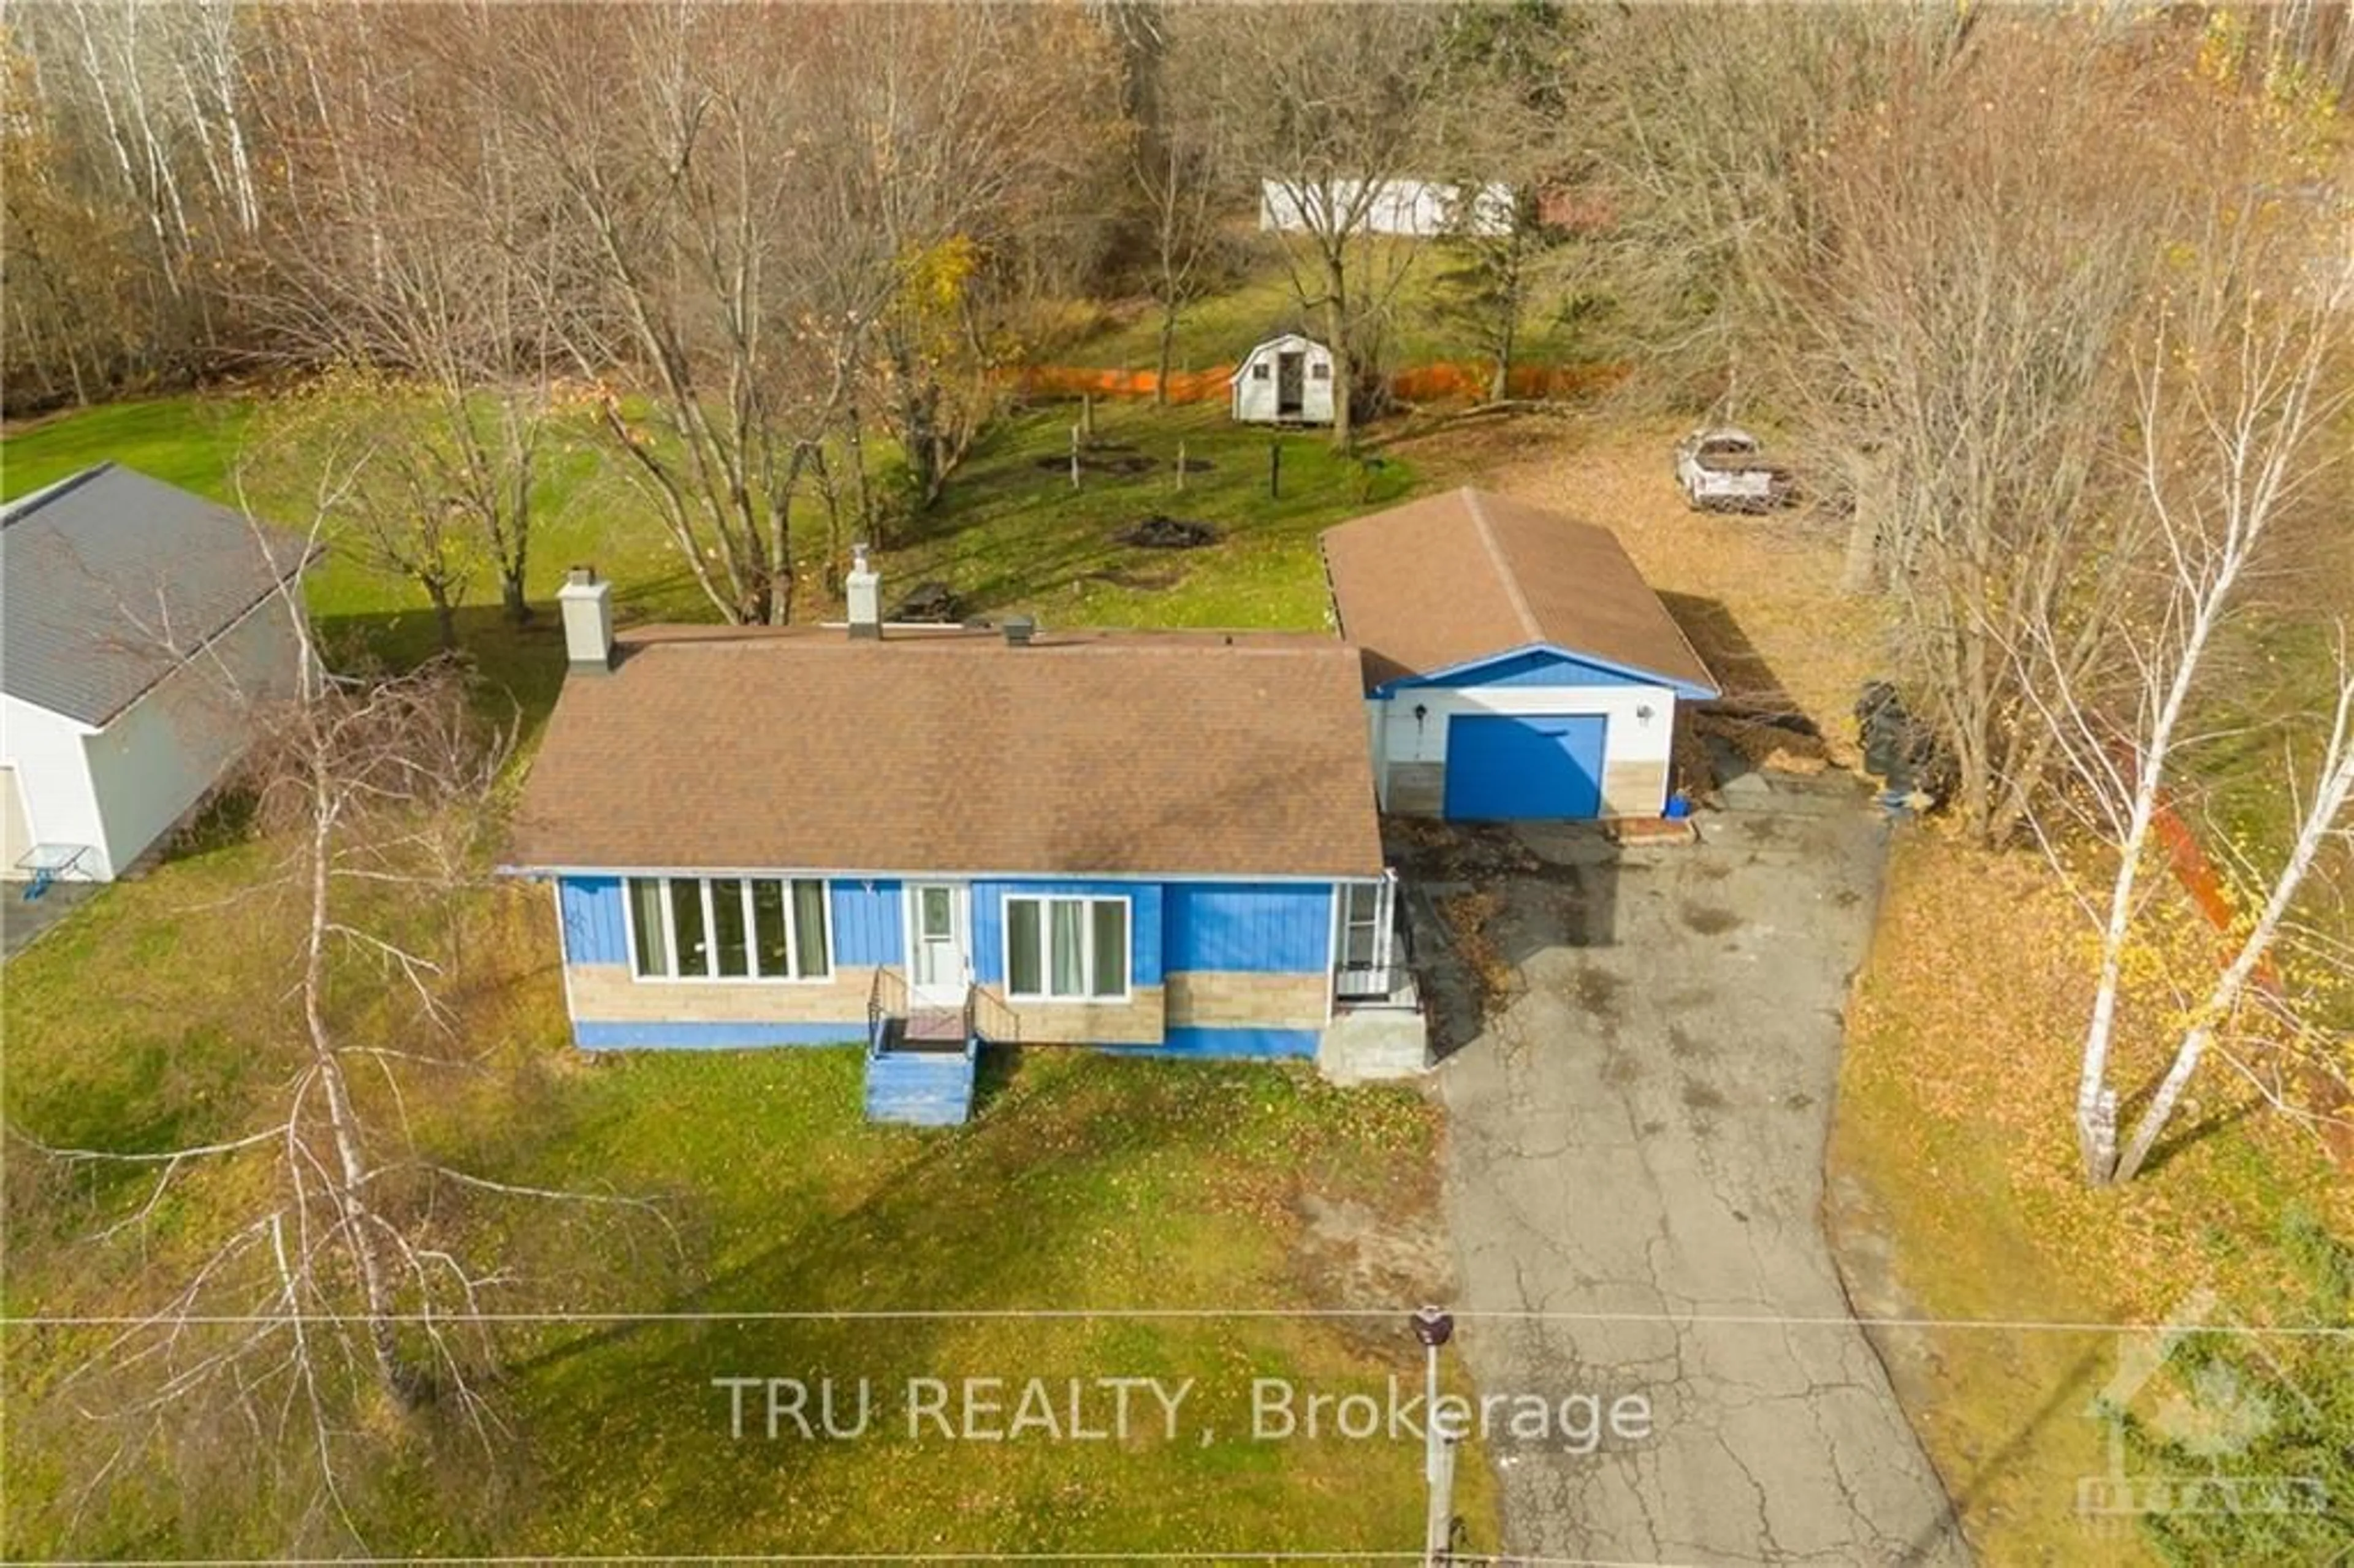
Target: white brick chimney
[[864, 587], [588, 606]]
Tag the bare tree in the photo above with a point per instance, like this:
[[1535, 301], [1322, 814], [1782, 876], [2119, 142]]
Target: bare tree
[[1962, 313], [340, 1282], [676, 141], [1175, 171], [1327, 105], [983, 149], [1700, 129], [419, 251]]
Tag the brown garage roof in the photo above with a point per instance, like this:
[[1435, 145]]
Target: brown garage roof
[[1466, 576], [1199, 754]]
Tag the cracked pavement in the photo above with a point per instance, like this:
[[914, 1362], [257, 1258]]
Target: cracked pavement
[[1639, 1127]]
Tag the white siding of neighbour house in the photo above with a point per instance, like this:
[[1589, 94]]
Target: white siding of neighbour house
[[1416, 208], [52, 778], [119, 789], [1634, 745]]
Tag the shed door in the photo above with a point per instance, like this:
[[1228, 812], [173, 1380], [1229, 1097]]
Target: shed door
[[1511, 769], [1290, 382], [16, 836]]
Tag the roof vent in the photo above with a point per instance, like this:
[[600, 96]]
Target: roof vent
[[1019, 629]]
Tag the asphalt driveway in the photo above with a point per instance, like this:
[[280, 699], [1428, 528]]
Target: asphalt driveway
[[1638, 1119]]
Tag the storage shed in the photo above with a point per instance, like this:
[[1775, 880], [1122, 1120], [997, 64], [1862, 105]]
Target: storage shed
[[132, 609], [1286, 380], [1516, 664]]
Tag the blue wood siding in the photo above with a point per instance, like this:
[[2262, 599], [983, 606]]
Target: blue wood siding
[[1232, 1044], [868, 928], [1255, 929], [1538, 666], [594, 931], [1144, 924]]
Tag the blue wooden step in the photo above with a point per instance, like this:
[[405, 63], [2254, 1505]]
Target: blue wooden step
[[920, 1088]]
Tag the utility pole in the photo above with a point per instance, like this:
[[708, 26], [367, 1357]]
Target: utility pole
[[1432, 1328]]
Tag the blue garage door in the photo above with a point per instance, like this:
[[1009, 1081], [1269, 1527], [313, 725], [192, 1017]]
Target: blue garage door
[[1506, 769]]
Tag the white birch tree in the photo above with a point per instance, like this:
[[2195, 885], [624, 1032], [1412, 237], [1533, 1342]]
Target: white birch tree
[[2238, 388]]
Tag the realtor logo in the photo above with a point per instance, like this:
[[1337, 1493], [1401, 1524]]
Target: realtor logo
[[2210, 1413]]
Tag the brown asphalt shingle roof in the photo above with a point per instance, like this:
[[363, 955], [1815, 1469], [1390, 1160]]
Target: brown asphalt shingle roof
[[1451, 578], [1083, 753]]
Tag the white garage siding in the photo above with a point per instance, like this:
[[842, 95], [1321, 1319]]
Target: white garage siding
[[52, 778], [159, 757], [16, 836], [1411, 776], [117, 789]]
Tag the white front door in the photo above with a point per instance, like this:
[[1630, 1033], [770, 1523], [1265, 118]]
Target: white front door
[[939, 960]]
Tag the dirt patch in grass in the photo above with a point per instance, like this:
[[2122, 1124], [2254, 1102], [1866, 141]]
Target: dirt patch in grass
[[1955, 1194], [1162, 532]]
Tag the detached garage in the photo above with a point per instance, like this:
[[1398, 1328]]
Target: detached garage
[[133, 611], [1516, 665]]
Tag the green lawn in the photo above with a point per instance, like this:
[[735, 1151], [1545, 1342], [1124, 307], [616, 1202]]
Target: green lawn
[[1220, 329], [1083, 1182], [1008, 535], [1013, 533]]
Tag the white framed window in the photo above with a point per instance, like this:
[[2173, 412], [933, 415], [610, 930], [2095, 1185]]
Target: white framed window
[[729, 928], [1365, 947], [1261, 372], [1066, 948], [1364, 920]]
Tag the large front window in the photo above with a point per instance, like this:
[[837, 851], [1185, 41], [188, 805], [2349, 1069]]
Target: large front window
[[1066, 949], [728, 927]]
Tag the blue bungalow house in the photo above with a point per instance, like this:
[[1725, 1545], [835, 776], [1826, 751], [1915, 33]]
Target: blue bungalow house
[[922, 839]]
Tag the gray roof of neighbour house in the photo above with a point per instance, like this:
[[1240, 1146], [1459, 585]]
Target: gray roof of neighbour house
[[105, 574]]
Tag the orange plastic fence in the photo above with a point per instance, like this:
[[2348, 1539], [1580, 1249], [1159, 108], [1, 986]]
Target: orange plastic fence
[[2199, 878], [1415, 384]]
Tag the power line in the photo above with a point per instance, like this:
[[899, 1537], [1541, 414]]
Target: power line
[[1460, 1559], [1175, 1314]]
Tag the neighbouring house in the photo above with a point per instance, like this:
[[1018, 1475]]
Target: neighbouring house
[[1414, 208], [925, 838], [1286, 380], [138, 618], [1516, 664]]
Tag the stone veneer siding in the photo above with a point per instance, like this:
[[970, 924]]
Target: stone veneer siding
[[1212, 999], [610, 993], [1135, 1021]]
